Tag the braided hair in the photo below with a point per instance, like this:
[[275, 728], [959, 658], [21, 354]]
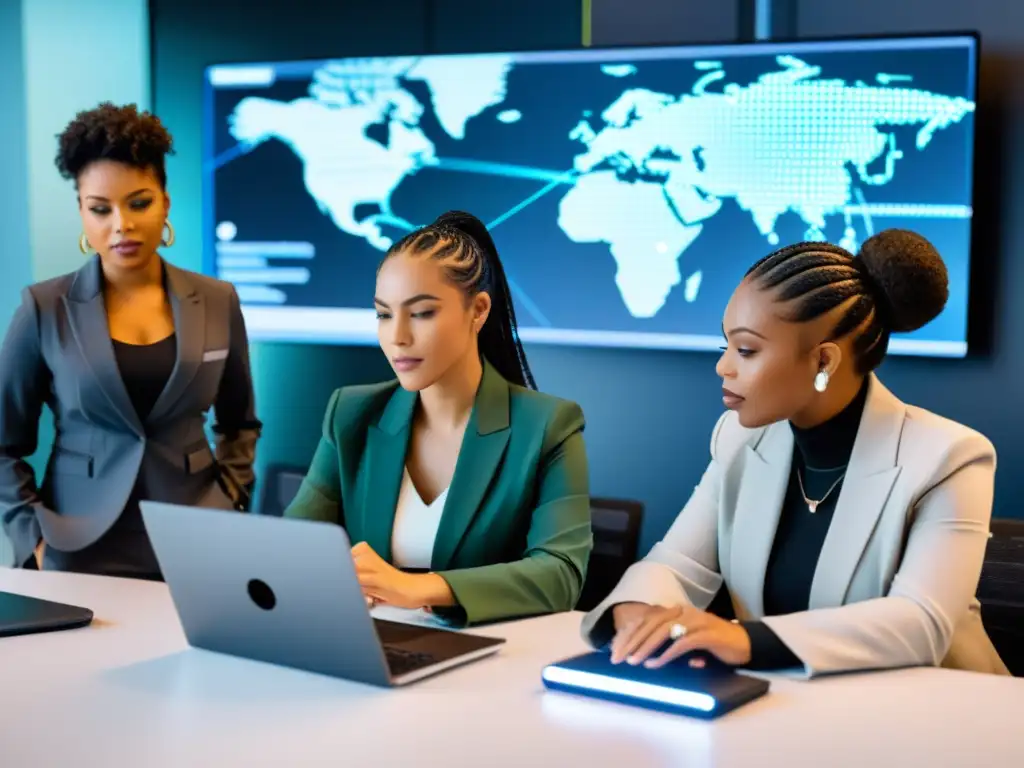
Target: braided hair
[[896, 283], [461, 242]]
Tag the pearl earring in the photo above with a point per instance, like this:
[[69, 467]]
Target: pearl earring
[[821, 381]]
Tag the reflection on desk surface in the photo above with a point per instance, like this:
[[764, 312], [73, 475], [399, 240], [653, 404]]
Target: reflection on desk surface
[[131, 689]]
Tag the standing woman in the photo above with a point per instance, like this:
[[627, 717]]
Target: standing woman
[[464, 490], [847, 527], [129, 353]]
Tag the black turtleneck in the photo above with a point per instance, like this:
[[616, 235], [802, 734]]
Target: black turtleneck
[[820, 456]]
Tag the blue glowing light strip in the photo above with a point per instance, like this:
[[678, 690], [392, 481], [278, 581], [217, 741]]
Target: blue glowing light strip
[[631, 689]]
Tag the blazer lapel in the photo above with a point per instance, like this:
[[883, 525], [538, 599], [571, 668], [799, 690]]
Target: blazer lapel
[[765, 476], [387, 443], [869, 480], [87, 317], [189, 312], [483, 447]]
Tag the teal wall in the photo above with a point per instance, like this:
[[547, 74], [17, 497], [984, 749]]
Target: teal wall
[[56, 58], [649, 414], [76, 54], [293, 383], [15, 258], [14, 209]]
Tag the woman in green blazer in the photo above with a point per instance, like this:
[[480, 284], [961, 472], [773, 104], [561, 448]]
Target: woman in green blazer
[[463, 489]]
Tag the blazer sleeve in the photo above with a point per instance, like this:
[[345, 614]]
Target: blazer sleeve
[[682, 568], [25, 381], [236, 427], [319, 496], [549, 576], [937, 579]]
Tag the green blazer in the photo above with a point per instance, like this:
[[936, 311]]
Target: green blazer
[[514, 537]]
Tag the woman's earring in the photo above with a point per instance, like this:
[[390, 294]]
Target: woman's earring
[[821, 381], [168, 240], [83, 244]]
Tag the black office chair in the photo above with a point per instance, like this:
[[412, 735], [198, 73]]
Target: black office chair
[[1001, 592], [616, 526], [280, 485]]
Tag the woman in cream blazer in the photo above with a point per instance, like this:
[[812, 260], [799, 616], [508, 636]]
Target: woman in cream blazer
[[847, 528]]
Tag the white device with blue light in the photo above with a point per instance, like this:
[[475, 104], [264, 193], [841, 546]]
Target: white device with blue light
[[706, 691]]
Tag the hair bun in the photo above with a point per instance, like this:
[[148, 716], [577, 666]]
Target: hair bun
[[468, 224], [910, 275]]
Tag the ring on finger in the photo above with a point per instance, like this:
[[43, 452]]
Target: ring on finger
[[677, 631]]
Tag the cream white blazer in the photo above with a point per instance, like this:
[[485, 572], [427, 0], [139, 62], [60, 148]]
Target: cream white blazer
[[896, 580]]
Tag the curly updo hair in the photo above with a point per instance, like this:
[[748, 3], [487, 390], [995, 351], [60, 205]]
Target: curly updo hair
[[896, 283], [109, 132]]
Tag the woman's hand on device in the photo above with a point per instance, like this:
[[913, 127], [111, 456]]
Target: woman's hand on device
[[642, 629], [384, 584]]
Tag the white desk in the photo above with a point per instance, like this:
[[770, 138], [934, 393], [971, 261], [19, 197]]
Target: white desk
[[128, 691]]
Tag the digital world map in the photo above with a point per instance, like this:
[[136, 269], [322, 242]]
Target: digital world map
[[646, 170]]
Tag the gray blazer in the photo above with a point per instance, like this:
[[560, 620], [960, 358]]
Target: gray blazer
[[899, 569], [58, 352]]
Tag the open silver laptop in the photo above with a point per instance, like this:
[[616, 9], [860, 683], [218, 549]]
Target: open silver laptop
[[285, 591]]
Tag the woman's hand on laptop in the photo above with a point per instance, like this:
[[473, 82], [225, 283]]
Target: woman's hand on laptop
[[383, 583]]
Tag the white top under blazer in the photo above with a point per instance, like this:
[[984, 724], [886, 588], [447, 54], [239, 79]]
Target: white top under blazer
[[415, 527]]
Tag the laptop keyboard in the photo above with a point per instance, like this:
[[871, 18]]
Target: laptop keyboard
[[401, 661]]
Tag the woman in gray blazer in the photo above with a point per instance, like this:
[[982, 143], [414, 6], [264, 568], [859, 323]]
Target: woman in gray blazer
[[129, 353], [845, 529]]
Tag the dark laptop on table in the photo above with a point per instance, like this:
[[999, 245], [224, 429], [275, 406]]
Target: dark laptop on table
[[21, 615], [285, 592]]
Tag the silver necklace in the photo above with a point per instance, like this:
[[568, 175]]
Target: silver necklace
[[812, 504]]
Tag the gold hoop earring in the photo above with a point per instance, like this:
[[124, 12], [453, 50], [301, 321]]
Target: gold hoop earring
[[83, 244], [168, 239]]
